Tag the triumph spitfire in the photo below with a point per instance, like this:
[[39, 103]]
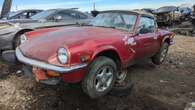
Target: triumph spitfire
[[94, 54]]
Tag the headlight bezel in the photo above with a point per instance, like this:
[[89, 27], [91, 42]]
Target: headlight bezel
[[63, 55]]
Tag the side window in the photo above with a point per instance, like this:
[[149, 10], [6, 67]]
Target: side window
[[147, 25], [82, 16], [23, 15], [32, 13], [74, 15], [64, 15]]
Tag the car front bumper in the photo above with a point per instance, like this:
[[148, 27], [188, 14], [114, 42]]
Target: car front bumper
[[48, 81], [20, 57]]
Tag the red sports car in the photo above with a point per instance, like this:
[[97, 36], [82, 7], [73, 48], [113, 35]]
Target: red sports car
[[94, 54]]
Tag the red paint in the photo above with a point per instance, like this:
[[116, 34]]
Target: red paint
[[90, 41], [74, 77]]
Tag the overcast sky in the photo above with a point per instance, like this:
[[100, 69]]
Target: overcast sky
[[86, 5]]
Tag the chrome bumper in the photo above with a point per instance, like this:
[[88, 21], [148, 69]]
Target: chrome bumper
[[46, 66]]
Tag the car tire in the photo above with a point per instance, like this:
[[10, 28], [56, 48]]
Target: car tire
[[16, 42], [160, 57], [100, 78]]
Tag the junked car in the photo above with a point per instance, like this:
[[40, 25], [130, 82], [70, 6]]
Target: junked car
[[186, 13], [22, 14], [168, 15], [94, 54], [10, 34], [148, 10], [193, 18]]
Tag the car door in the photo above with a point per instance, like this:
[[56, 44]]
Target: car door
[[146, 38]]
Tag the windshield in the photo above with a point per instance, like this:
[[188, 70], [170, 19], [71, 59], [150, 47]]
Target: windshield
[[115, 20], [43, 14], [11, 14]]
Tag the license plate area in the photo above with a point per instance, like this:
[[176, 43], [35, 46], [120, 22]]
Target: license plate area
[[39, 74]]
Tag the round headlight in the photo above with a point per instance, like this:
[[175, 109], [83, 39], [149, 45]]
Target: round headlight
[[22, 38], [62, 55]]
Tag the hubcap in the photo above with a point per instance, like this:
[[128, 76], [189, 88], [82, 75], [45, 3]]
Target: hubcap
[[104, 79], [163, 54]]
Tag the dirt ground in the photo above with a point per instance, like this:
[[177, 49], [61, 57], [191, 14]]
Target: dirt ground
[[166, 87]]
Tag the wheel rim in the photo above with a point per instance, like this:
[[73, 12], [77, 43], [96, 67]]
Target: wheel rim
[[163, 54], [104, 78]]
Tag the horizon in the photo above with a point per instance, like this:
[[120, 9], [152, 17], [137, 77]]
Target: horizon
[[87, 5]]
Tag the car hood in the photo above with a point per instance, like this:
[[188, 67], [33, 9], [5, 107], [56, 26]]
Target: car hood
[[44, 43], [37, 24]]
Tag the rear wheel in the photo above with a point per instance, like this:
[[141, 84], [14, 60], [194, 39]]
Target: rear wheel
[[160, 57], [101, 77]]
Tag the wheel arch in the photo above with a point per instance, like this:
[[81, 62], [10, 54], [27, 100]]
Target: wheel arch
[[20, 32], [110, 53], [167, 38]]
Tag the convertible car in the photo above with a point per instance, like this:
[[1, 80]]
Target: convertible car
[[95, 54]]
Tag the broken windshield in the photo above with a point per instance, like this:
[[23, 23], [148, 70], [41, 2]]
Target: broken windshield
[[115, 20]]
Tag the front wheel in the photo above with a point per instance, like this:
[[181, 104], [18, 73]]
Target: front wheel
[[101, 77], [160, 57]]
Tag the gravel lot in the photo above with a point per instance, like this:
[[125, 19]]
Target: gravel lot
[[166, 87]]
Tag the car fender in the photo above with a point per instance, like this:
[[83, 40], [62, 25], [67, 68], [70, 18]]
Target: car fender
[[105, 48], [164, 38], [20, 32], [166, 35], [169, 36]]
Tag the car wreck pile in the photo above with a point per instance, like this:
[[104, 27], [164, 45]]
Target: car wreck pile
[[180, 20]]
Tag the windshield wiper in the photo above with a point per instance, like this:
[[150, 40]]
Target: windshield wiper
[[84, 24], [106, 26]]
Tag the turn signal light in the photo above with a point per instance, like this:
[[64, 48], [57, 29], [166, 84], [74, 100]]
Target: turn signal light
[[85, 58], [53, 74]]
